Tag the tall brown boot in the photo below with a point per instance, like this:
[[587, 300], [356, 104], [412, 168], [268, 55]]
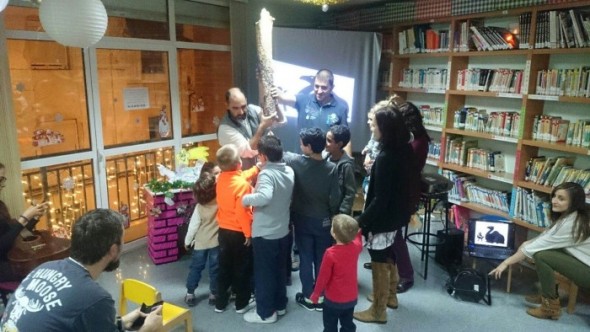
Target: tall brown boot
[[376, 313], [392, 302], [550, 308]]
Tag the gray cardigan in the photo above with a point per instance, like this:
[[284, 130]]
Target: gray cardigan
[[271, 200]]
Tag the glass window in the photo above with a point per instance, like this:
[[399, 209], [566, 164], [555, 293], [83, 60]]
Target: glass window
[[22, 18], [49, 98], [202, 95], [134, 96], [202, 23], [137, 19], [69, 189], [126, 176]]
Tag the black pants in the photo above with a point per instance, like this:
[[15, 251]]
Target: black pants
[[235, 269], [331, 317]]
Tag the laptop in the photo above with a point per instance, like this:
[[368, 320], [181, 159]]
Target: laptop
[[491, 239]]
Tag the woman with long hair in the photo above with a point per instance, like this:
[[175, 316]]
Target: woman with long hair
[[387, 203], [564, 247]]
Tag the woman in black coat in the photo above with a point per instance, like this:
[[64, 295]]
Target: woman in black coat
[[387, 203]]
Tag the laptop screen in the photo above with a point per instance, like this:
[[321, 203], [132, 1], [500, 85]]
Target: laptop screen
[[486, 235]]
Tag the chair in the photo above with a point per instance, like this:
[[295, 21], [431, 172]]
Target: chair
[[6, 288], [572, 290], [139, 292]]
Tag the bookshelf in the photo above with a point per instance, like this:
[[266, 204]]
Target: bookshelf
[[414, 61]]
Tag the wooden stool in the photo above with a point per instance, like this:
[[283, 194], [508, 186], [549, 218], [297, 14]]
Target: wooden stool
[[572, 291]]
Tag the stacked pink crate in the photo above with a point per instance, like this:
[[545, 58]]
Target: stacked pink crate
[[163, 221]]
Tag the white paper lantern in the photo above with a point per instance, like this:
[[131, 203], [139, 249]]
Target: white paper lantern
[[3, 4], [77, 23]]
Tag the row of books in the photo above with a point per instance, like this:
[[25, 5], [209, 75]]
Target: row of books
[[474, 36], [424, 78], [553, 171], [466, 153], [494, 80], [562, 29], [434, 150], [524, 28], [432, 116], [530, 206], [572, 82], [495, 123], [423, 39], [466, 190], [492, 38], [557, 130], [385, 76]]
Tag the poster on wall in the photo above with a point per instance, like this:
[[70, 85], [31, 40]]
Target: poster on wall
[[45, 137], [136, 98]]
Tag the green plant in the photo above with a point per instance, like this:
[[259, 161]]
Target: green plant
[[160, 186]]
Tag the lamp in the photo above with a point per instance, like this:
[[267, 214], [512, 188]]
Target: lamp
[[3, 4], [324, 3], [77, 23]]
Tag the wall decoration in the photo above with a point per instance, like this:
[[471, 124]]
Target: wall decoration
[[45, 137], [164, 124], [137, 98]]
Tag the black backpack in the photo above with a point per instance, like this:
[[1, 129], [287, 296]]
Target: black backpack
[[470, 285]]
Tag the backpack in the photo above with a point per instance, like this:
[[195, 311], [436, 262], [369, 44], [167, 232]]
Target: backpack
[[470, 285]]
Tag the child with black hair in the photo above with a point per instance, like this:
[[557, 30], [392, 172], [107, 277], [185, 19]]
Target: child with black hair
[[338, 275], [270, 229], [336, 139], [202, 237], [316, 198]]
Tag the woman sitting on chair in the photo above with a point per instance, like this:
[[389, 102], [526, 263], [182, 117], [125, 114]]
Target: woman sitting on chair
[[564, 247], [10, 228]]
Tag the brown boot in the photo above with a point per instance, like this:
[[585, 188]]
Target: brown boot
[[550, 308], [533, 298], [376, 313], [392, 302]]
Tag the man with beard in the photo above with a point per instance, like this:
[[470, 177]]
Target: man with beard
[[63, 295], [244, 124]]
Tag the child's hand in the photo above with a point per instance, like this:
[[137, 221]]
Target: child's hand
[[248, 241]]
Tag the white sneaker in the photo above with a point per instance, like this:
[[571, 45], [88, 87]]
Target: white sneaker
[[253, 317], [281, 312], [251, 304]]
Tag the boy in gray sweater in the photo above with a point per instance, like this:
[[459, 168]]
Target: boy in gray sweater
[[316, 198], [271, 200]]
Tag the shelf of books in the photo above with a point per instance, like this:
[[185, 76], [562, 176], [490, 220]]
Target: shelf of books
[[504, 96]]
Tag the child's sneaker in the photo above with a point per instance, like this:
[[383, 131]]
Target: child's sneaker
[[190, 300], [251, 304], [282, 312], [320, 305], [304, 302], [211, 299], [253, 317]]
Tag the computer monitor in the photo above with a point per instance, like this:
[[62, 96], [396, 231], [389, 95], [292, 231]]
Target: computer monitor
[[493, 239]]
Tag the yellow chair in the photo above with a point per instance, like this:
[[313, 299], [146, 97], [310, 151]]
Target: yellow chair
[[139, 292]]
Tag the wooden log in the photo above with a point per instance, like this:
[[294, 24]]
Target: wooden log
[[265, 70]]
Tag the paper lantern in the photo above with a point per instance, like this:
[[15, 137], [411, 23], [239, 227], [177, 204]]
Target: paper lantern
[[77, 23], [3, 4]]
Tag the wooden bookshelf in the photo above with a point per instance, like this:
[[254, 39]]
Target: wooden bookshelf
[[498, 176], [471, 133], [557, 147]]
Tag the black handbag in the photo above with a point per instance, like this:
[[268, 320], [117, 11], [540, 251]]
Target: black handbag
[[470, 285]]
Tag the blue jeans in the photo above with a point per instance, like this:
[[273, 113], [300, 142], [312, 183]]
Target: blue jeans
[[198, 261], [331, 316], [312, 236], [269, 279]]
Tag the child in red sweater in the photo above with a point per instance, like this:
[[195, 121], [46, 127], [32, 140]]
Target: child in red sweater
[[337, 279]]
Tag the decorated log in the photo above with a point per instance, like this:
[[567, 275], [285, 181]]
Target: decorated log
[[265, 70]]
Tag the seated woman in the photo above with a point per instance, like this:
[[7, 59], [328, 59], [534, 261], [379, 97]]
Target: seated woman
[[564, 247], [10, 229]]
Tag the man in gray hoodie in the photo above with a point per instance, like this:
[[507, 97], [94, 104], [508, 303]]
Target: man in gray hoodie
[[271, 200]]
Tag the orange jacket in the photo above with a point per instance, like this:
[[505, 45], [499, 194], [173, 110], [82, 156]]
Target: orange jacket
[[231, 186]]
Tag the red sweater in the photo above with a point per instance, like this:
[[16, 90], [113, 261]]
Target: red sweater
[[338, 273]]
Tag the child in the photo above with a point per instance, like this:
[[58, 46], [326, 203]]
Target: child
[[202, 236], [338, 275], [271, 200], [235, 230], [564, 247], [336, 139], [316, 198]]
